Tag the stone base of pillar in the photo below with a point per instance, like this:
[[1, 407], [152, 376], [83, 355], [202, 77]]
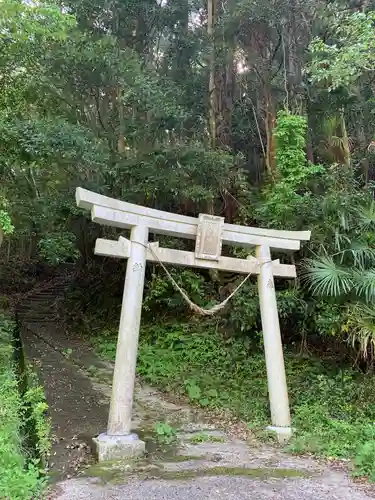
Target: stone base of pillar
[[118, 447], [283, 433]]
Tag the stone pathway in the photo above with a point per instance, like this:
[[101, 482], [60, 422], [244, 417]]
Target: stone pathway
[[200, 461]]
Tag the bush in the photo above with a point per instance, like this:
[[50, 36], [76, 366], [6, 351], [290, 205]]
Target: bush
[[20, 473]]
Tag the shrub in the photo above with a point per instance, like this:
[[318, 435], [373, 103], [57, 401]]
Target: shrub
[[20, 477]]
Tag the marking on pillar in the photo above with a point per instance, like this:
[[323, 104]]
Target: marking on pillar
[[138, 266], [270, 284]]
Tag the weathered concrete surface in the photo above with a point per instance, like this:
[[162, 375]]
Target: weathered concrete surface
[[229, 469], [118, 447], [214, 488]]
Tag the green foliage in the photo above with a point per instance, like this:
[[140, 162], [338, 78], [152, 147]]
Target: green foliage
[[242, 317], [349, 52], [290, 134], [26, 29], [328, 318], [193, 361], [289, 200], [344, 275], [186, 172], [106, 345], [244, 314], [360, 329], [328, 278], [58, 248], [334, 418], [6, 222], [21, 476], [161, 292], [34, 399], [165, 433], [365, 460]]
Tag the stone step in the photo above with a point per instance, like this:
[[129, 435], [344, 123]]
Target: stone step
[[34, 305], [28, 317], [37, 302], [46, 308], [40, 306], [44, 320], [36, 314], [44, 298], [45, 294]]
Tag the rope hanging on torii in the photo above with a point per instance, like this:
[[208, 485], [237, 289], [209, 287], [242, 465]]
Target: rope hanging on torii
[[201, 311]]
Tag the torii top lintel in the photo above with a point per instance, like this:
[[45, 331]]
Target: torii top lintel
[[112, 212]]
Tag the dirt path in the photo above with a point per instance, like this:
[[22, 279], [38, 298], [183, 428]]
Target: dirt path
[[200, 462]]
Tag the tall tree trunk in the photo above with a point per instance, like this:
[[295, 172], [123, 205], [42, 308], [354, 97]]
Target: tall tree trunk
[[121, 145], [345, 141], [309, 146], [224, 85], [211, 15], [221, 90], [292, 41], [221, 79], [181, 34], [361, 136], [270, 124]]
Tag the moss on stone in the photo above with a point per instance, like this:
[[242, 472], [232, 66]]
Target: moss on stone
[[253, 473], [119, 472]]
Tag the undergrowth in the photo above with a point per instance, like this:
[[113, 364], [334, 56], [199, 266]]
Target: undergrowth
[[332, 406], [21, 477]]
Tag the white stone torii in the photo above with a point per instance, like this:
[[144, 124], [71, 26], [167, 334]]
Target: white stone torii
[[209, 232]]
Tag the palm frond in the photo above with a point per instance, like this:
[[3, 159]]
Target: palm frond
[[361, 329], [362, 254], [344, 220], [364, 283], [366, 217], [325, 277], [336, 142], [330, 124], [341, 240]]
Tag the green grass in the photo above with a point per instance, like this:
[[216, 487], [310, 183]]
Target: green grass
[[333, 407], [20, 477]]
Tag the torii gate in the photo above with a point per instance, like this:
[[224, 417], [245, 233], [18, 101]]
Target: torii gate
[[209, 232]]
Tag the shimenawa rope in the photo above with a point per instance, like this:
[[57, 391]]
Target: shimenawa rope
[[194, 307]]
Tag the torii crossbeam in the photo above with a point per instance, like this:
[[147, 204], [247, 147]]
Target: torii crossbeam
[[209, 232]]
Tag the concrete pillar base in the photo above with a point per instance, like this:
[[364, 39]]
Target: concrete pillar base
[[283, 433], [118, 447]]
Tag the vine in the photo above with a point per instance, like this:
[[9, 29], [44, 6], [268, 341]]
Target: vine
[[290, 193], [6, 222]]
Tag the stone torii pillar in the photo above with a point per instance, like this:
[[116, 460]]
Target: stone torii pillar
[[273, 349], [209, 232]]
